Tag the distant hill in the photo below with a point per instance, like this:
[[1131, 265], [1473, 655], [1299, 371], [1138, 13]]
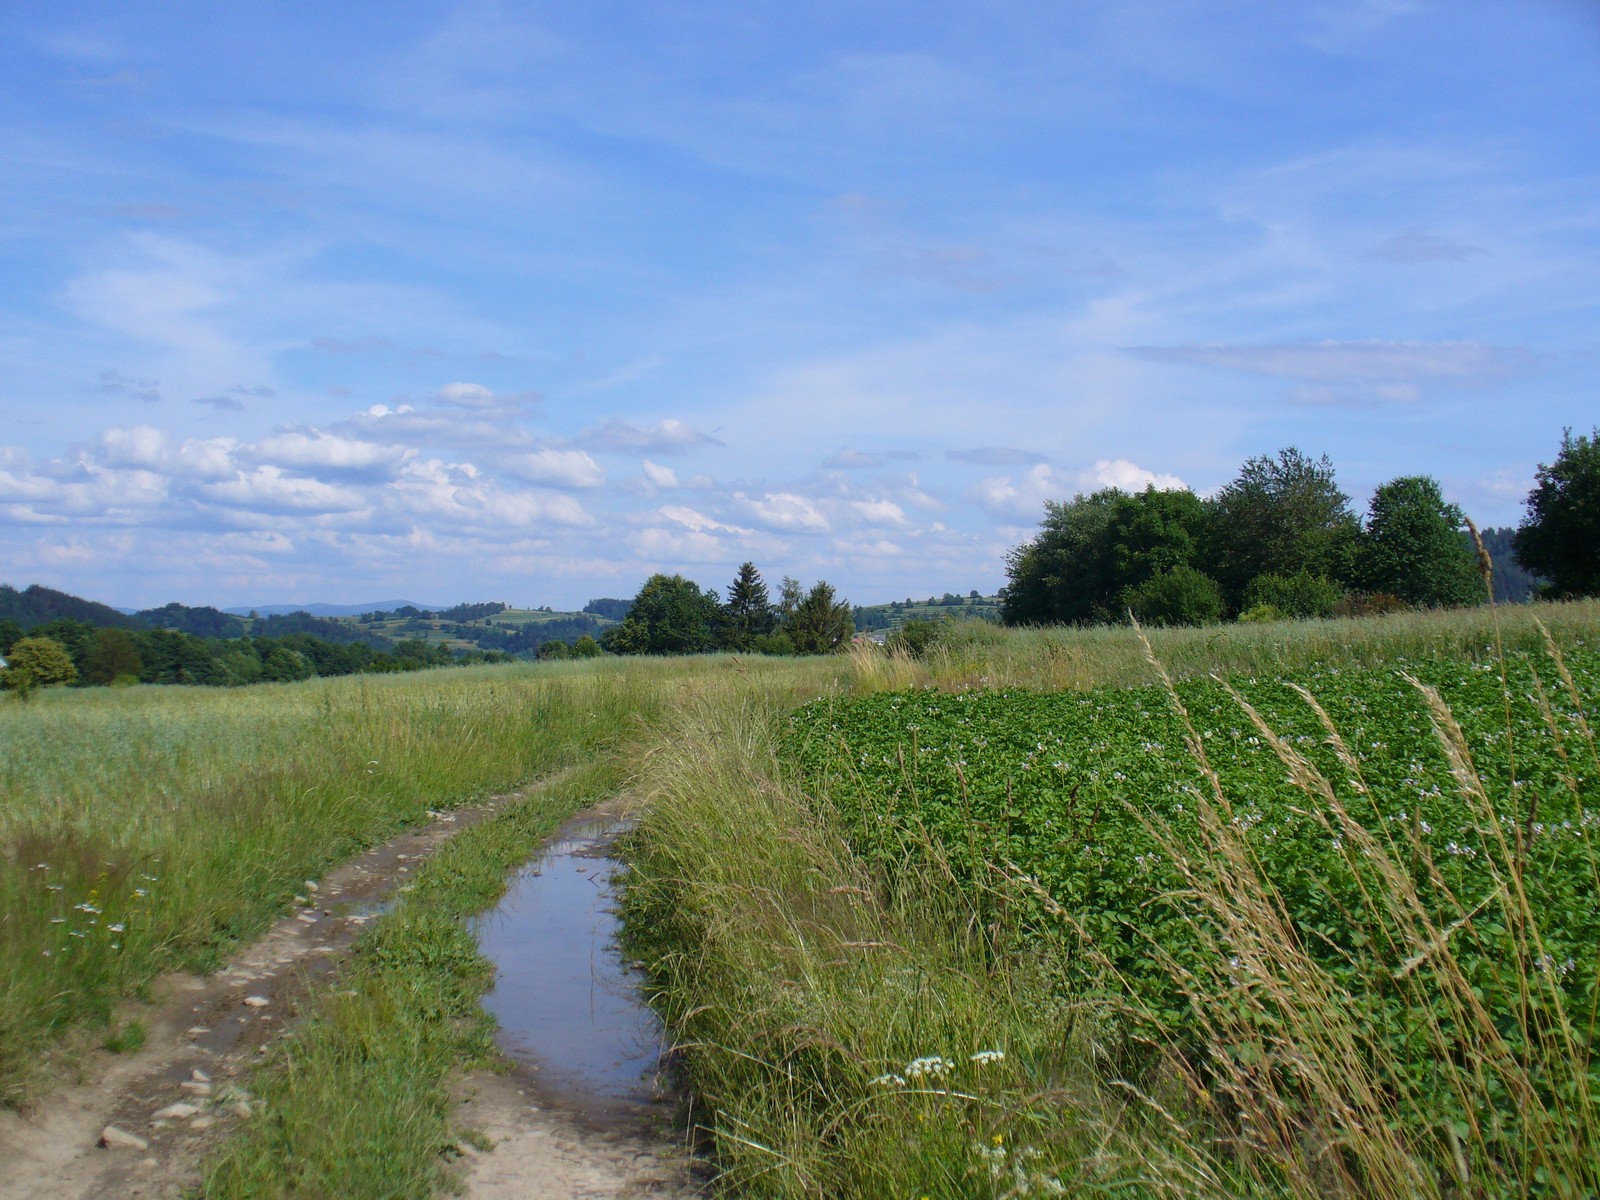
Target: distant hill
[[330, 610], [40, 605]]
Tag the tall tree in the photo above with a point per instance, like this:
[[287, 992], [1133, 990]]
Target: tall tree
[[1281, 515], [1560, 536], [1059, 577], [1414, 546], [821, 623], [748, 614], [37, 662], [113, 656], [670, 615]]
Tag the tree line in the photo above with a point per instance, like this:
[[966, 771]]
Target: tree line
[[77, 652], [673, 615], [1281, 540]]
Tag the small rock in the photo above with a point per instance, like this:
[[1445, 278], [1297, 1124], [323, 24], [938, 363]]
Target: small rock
[[113, 1138], [199, 1076], [255, 1001], [197, 1030], [312, 886], [196, 1087], [148, 1163], [301, 900], [202, 1123], [306, 918], [175, 1112], [240, 1109]]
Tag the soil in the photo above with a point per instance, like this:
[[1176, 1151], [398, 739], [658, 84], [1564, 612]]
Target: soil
[[110, 1135]]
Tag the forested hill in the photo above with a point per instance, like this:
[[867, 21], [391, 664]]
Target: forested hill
[[39, 605]]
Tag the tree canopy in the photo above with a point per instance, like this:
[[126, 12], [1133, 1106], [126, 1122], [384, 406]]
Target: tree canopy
[[1560, 536], [1414, 546]]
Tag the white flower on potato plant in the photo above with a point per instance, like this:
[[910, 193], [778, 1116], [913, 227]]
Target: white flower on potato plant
[[890, 1080], [984, 1057]]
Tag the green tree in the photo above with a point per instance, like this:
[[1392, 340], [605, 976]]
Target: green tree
[[790, 593], [1181, 596], [113, 656], [10, 635], [1559, 537], [37, 662], [554, 649], [821, 623], [1414, 546], [670, 615], [748, 614], [1060, 577], [586, 647], [1281, 515]]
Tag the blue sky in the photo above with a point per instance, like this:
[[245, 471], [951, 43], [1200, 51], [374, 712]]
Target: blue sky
[[526, 301]]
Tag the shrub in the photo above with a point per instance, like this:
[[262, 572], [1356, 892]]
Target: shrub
[[1181, 596], [1299, 595], [915, 637]]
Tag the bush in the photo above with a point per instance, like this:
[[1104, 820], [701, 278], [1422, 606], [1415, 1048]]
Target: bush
[[1258, 614], [775, 644], [1299, 595], [1181, 596], [915, 637], [36, 662]]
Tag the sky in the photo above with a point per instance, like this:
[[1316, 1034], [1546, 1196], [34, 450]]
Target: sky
[[526, 301]]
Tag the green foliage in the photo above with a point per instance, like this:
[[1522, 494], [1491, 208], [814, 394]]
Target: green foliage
[[748, 614], [915, 637], [1280, 515], [554, 650], [776, 645], [820, 624], [670, 615], [1407, 900], [1299, 595], [1414, 546], [1560, 536], [37, 662], [114, 655], [1059, 577], [1260, 614], [1179, 596], [586, 647]]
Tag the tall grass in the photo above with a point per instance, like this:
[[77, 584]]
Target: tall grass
[[977, 654], [148, 829], [839, 1020]]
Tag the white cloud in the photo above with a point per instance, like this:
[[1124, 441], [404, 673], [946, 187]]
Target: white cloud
[[315, 449], [879, 512], [558, 468], [698, 521], [268, 489], [1004, 496], [670, 436], [465, 395], [786, 512], [660, 476]]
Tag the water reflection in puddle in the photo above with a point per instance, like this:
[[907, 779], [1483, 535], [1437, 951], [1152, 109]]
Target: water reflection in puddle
[[566, 1003]]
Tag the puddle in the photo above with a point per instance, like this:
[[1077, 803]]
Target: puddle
[[567, 1005]]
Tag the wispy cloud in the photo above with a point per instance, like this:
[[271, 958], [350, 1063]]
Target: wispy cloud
[[996, 456], [670, 436]]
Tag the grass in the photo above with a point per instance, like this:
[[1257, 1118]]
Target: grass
[[149, 829], [840, 1010]]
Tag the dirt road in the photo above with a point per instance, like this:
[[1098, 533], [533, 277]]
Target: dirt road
[[140, 1125]]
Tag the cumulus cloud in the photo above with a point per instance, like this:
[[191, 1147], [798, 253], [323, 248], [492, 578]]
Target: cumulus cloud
[[784, 512], [879, 512], [1024, 497], [670, 436], [660, 476], [476, 396], [314, 450], [270, 489], [697, 521], [558, 468]]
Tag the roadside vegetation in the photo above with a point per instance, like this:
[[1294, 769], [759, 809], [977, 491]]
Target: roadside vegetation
[[1152, 938], [149, 829]]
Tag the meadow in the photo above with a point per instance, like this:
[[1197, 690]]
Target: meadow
[[1018, 917]]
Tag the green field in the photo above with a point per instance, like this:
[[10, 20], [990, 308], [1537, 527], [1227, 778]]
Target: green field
[[987, 923]]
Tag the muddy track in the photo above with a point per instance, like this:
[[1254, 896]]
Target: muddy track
[[140, 1125]]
